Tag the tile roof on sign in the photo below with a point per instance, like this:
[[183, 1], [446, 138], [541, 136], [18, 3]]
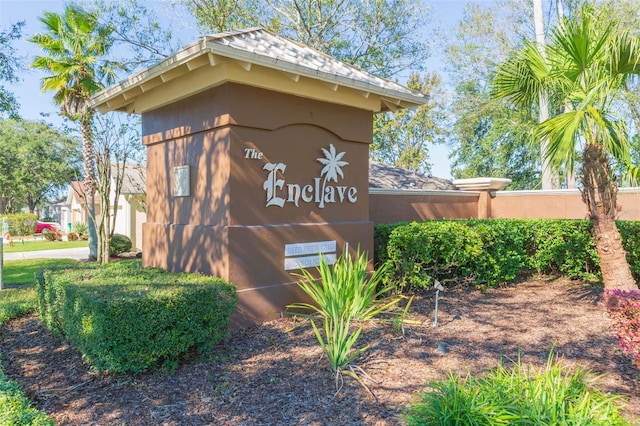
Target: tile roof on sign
[[261, 42], [269, 52]]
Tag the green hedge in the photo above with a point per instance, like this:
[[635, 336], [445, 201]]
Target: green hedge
[[125, 318], [119, 244], [488, 252], [21, 223]]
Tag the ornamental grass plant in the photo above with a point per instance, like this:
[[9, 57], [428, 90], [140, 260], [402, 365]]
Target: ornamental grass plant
[[518, 395]]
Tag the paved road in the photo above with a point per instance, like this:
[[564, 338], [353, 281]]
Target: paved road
[[70, 253]]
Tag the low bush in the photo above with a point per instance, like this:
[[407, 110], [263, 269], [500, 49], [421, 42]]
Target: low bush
[[125, 318], [506, 245], [624, 309], [52, 236], [119, 244], [72, 236], [82, 229], [517, 395], [630, 234], [21, 223], [564, 247], [491, 251], [420, 253], [381, 235]]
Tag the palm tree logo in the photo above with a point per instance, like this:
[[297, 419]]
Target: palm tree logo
[[333, 164]]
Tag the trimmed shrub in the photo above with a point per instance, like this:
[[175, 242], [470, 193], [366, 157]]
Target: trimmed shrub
[[82, 229], [52, 236], [505, 248], [565, 247], [125, 318], [72, 236], [119, 244], [420, 253], [630, 234], [492, 251], [381, 234]]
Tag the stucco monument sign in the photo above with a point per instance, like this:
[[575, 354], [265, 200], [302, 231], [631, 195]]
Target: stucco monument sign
[[257, 160]]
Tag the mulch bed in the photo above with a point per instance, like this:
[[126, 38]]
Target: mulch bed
[[275, 374]]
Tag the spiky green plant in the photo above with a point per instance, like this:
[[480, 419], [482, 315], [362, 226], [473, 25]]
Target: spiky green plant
[[518, 395], [346, 289], [343, 293]]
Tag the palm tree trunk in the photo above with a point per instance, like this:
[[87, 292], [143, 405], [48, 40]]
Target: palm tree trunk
[[599, 193], [89, 183]]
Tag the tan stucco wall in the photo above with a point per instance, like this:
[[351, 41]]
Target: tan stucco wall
[[558, 204], [396, 206], [227, 135]]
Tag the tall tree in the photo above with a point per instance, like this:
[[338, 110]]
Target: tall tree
[[402, 138], [225, 15], [586, 67], [140, 38], [74, 46], [117, 144], [487, 139], [488, 33], [36, 160], [9, 65], [376, 35]]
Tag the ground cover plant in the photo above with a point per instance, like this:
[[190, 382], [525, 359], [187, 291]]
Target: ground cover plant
[[15, 408], [624, 308]]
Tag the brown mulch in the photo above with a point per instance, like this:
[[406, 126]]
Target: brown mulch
[[270, 375]]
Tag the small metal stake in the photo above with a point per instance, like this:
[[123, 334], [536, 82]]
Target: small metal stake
[[438, 288]]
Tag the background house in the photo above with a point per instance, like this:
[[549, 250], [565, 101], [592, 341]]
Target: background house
[[130, 206]]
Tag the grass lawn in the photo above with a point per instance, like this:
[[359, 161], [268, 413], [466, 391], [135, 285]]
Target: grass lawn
[[20, 245], [18, 296]]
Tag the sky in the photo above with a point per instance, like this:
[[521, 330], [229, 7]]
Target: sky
[[34, 104]]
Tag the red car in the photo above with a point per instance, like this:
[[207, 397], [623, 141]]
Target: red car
[[44, 227]]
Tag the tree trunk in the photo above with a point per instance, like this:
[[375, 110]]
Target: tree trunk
[[599, 193], [89, 182]]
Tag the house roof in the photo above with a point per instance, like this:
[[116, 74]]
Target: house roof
[[134, 180], [389, 177], [254, 57], [76, 192]]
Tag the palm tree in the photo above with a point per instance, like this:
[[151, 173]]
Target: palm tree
[[74, 44], [586, 67]]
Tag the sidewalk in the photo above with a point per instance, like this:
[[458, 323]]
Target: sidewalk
[[70, 253]]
